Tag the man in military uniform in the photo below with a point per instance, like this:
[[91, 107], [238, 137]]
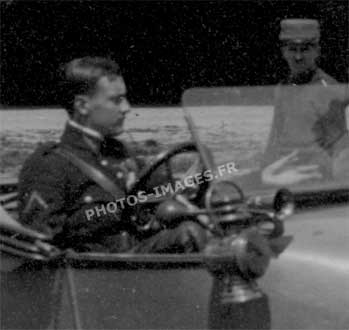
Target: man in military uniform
[[303, 103], [90, 168]]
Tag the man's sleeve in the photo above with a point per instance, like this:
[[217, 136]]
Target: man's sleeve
[[89, 220], [330, 127], [42, 193], [45, 205]]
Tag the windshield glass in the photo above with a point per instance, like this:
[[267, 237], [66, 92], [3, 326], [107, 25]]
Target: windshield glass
[[276, 135]]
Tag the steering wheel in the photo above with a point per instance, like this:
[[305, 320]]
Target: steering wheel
[[132, 211]]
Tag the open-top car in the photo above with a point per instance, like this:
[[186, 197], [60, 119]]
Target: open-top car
[[293, 207]]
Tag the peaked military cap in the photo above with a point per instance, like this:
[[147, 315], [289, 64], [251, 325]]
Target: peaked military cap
[[300, 30]]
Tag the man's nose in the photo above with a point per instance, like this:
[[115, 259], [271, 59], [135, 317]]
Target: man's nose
[[299, 55], [125, 106]]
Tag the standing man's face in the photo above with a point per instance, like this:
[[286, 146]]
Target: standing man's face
[[301, 57], [107, 106]]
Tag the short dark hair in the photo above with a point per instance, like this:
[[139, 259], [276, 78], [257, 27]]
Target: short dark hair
[[81, 75]]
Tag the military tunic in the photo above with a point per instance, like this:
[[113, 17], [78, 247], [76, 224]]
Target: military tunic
[[54, 194]]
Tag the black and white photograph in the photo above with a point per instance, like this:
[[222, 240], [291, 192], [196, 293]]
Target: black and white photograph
[[174, 164]]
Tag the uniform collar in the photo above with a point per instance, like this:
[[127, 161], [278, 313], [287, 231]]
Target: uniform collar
[[311, 76], [303, 78], [74, 137], [85, 130]]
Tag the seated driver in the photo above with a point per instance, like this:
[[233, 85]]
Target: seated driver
[[90, 168]]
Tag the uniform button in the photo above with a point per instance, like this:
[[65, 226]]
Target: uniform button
[[88, 199], [104, 162], [119, 175]]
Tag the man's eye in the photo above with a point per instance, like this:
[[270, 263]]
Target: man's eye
[[118, 100]]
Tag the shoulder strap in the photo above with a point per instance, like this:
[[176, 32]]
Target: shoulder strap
[[92, 172]]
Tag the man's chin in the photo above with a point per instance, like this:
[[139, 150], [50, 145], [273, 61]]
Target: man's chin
[[115, 132], [298, 71], [302, 69]]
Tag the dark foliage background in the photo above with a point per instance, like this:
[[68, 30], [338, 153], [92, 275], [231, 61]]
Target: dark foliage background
[[163, 47]]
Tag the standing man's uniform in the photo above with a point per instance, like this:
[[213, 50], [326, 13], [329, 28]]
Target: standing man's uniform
[[304, 99]]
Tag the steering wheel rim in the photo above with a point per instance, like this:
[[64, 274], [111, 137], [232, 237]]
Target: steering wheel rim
[[160, 159]]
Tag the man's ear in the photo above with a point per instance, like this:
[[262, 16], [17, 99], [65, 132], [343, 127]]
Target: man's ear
[[81, 104], [283, 50], [318, 54]]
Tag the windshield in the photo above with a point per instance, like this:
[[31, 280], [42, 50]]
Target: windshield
[[276, 135]]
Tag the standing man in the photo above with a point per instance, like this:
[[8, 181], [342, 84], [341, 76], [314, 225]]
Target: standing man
[[303, 100], [89, 168], [300, 46]]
